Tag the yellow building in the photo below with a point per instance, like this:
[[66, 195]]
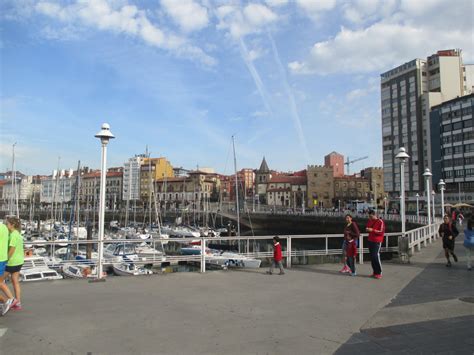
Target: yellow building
[[153, 169], [320, 186]]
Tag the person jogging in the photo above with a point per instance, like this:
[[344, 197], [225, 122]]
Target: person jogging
[[376, 230]]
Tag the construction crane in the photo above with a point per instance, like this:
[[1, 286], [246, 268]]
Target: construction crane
[[349, 162]]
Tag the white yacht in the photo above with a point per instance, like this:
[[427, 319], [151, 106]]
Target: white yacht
[[35, 269], [130, 269]]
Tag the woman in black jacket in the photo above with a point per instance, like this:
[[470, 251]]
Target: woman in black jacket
[[448, 232]]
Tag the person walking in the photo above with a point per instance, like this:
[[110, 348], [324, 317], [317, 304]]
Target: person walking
[[15, 258], [7, 302], [376, 229], [351, 229], [351, 252], [277, 257], [469, 242], [448, 232]]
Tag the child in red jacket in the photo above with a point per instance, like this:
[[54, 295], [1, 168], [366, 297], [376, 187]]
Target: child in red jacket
[[277, 257], [351, 253]]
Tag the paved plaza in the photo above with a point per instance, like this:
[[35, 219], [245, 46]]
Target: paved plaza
[[421, 307]]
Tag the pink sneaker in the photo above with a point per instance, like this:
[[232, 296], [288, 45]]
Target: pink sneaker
[[345, 269], [378, 276], [16, 305]]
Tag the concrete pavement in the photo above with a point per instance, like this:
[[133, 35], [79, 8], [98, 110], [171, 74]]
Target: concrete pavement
[[310, 310]]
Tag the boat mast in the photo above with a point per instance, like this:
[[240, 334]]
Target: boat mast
[[14, 196], [129, 192], [236, 189]]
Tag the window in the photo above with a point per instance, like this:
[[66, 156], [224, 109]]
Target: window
[[446, 128], [468, 123], [469, 148], [457, 125], [458, 149]]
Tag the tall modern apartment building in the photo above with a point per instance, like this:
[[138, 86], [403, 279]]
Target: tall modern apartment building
[[407, 94], [131, 178], [452, 147]]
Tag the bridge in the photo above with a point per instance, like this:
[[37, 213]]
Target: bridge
[[418, 307]]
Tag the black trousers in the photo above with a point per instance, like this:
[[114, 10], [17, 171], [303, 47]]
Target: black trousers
[[374, 250], [351, 263]]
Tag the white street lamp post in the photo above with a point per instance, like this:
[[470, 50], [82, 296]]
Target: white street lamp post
[[403, 157], [427, 174], [385, 205], [417, 207], [104, 135], [442, 186], [433, 207]]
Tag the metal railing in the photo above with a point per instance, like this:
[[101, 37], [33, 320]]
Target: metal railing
[[293, 247]]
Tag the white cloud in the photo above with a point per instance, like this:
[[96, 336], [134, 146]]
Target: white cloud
[[314, 8], [188, 14], [259, 114], [363, 11], [253, 18], [276, 3], [402, 33], [120, 18]]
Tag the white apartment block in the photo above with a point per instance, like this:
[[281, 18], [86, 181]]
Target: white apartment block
[[131, 178]]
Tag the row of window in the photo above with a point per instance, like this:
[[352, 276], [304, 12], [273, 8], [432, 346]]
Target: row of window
[[457, 125], [458, 162], [456, 113], [466, 148], [458, 137], [458, 173]]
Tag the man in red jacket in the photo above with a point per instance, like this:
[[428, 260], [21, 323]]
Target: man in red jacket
[[277, 257], [376, 229]]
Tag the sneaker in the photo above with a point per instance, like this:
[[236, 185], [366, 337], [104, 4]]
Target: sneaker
[[353, 273], [469, 268], [345, 269], [17, 307], [268, 273], [6, 306], [14, 303], [377, 276], [455, 258], [281, 273], [448, 264]]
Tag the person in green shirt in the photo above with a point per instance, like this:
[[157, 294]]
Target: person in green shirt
[[7, 302], [15, 258]]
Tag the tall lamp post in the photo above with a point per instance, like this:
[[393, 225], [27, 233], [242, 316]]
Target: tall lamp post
[[417, 207], [442, 186], [403, 157], [104, 135], [385, 205], [427, 174], [433, 193]]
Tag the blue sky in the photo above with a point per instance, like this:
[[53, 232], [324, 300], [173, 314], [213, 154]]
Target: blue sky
[[293, 80]]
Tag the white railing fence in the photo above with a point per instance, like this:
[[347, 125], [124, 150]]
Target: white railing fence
[[296, 248]]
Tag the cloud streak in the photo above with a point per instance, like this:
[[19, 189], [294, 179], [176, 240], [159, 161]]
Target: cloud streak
[[291, 97]]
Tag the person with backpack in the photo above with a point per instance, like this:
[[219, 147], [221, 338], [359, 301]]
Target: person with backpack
[[351, 232], [448, 232], [469, 241]]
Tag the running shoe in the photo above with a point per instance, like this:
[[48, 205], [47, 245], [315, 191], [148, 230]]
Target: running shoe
[[378, 276], [6, 306], [17, 307], [448, 264], [455, 258]]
